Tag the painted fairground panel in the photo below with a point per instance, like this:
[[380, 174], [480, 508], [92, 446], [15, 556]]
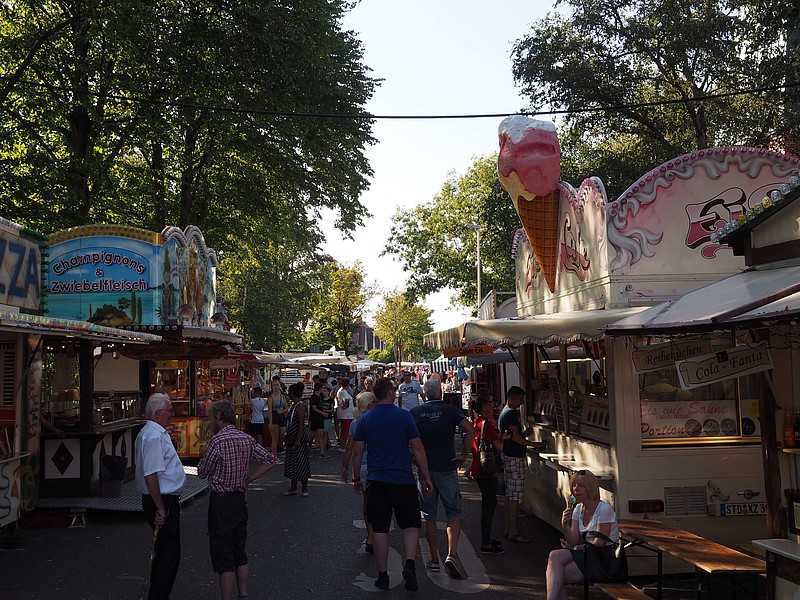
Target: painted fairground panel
[[107, 275], [670, 214], [592, 252], [699, 390], [122, 276]]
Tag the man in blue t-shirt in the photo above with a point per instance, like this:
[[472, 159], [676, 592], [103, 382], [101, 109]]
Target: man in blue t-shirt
[[389, 431], [437, 424]]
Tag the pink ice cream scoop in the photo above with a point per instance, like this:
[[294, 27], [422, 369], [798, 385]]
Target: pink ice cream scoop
[[530, 148]]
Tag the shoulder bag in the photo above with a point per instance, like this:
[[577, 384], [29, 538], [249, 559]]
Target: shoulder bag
[[604, 563], [290, 438], [489, 457]]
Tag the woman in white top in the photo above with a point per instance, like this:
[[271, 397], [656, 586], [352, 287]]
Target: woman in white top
[[344, 410], [589, 514]]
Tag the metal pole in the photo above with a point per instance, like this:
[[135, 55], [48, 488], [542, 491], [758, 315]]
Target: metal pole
[[479, 271]]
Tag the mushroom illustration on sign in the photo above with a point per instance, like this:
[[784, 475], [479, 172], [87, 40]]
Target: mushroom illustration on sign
[[529, 167], [187, 315]]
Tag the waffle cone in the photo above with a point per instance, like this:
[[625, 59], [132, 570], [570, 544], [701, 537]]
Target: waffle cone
[[539, 217]]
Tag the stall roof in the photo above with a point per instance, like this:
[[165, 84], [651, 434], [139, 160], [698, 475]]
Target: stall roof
[[760, 294], [186, 332], [559, 328], [10, 321]]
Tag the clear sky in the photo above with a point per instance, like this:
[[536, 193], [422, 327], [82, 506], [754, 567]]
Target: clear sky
[[435, 57]]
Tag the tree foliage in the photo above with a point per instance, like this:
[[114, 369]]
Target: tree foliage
[[339, 306], [620, 60], [433, 242], [401, 324], [155, 113]]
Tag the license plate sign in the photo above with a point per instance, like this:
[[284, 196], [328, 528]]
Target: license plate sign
[[742, 510]]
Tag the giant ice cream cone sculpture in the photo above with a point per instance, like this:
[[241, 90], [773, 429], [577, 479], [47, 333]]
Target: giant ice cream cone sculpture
[[529, 166]]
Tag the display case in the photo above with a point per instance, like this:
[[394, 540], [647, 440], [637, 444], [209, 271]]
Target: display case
[[171, 377], [114, 406]]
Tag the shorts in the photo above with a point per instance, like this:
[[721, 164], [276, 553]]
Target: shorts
[[514, 471], [328, 426], [227, 531], [445, 486], [315, 425], [255, 429], [382, 498], [279, 420]]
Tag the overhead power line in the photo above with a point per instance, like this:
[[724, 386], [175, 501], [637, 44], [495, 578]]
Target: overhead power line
[[135, 99]]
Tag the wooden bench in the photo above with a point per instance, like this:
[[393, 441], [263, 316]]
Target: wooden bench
[[621, 591]]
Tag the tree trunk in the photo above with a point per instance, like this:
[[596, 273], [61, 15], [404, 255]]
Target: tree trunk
[[81, 129], [159, 189]]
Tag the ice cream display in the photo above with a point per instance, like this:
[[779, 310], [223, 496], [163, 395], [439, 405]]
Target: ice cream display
[[529, 166]]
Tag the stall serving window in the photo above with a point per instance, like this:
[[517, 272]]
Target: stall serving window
[[699, 391], [583, 410], [172, 378]]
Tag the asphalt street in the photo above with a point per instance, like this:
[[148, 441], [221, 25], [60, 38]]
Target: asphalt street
[[298, 548]]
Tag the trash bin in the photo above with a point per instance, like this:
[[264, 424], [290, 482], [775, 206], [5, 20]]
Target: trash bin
[[112, 472]]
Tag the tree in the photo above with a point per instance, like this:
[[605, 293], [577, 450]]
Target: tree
[[433, 242], [158, 113], [402, 324], [152, 113], [340, 306], [384, 356], [620, 60], [267, 291]]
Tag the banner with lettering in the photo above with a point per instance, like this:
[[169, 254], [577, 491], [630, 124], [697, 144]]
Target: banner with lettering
[[723, 365], [692, 419], [664, 356]]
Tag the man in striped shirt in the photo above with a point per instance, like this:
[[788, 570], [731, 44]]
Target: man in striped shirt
[[226, 463]]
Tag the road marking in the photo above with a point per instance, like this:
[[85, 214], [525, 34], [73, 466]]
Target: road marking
[[478, 580], [394, 566]]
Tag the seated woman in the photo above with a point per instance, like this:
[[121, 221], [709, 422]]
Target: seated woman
[[589, 514]]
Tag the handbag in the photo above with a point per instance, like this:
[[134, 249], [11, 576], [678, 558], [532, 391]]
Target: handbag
[[604, 563], [488, 456], [290, 438]]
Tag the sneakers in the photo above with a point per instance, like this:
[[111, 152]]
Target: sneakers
[[342, 450], [410, 576], [382, 582], [454, 568], [323, 455], [433, 565], [493, 549]]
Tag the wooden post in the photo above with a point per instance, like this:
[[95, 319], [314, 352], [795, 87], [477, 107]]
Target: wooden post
[[767, 403]]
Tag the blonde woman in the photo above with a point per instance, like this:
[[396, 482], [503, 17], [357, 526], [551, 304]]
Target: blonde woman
[[589, 514], [364, 402]]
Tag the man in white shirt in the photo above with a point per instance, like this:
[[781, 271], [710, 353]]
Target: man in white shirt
[[410, 392], [160, 478]]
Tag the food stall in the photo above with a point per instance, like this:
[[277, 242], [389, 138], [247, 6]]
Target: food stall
[[145, 282], [759, 306], [618, 405], [25, 336]]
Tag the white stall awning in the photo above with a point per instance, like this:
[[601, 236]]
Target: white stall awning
[[559, 328], [744, 299]]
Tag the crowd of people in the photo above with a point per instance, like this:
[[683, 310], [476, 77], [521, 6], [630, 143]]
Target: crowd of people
[[385, 429]]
